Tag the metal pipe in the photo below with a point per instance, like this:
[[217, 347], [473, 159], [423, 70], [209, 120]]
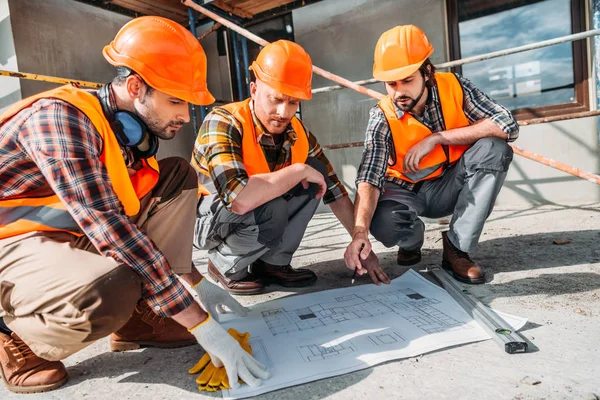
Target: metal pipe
[[192, 19], [262, 42], [53, 79], [238, 66], [482, 57], [536, 157], [213, 28], [588, 176], [246, 64]]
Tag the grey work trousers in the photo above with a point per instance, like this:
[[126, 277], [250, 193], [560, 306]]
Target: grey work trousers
[[271, 232], [467, 191]]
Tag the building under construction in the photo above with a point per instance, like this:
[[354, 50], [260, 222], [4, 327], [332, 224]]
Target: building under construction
[[541, 245]]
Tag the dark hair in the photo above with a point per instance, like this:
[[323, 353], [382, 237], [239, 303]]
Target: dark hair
[[427, 69], [122, 75]]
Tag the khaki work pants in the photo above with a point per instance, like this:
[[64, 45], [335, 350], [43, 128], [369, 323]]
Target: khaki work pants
[[59, 295]]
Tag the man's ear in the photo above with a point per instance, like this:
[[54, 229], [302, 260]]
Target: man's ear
[[252, 89], [135, 87]]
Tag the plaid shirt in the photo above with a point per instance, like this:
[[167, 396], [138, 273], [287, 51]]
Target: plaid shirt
[[52, 147], [379, 147], [218, 150]]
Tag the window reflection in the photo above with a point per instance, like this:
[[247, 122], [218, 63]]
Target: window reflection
[[529, 79]]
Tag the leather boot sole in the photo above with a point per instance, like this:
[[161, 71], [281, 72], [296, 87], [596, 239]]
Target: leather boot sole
[[472, 281], [121, 345], [32, 389], [237, 292]]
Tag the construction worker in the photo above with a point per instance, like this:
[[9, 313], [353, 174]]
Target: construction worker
[[435, 146], [90, 222], [262, 175]]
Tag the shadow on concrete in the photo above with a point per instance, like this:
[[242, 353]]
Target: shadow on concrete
[[169, 367]]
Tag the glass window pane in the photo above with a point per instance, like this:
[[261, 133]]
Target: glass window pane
[[534, 78]]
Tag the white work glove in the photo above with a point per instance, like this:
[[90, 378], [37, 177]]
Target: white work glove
[[213, 298], [226, 352]]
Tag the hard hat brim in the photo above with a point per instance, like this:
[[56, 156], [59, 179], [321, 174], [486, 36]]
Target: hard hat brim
[[399, 73]]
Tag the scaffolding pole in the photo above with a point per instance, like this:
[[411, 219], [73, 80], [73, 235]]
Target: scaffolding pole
[[52, 79]]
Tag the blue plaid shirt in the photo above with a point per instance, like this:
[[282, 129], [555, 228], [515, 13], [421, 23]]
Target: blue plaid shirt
[[379, 147]]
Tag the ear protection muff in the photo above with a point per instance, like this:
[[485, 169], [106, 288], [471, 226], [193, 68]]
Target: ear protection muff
[[129, 129]]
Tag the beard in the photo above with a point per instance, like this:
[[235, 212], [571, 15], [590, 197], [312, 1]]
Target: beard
[[413, 101], [165, 131]]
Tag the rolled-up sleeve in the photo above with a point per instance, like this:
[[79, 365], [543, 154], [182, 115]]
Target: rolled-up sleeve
[[478, 105]]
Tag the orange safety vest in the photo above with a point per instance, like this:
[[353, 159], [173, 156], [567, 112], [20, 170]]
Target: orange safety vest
[[408, 131], [252, 152], [28, 213]]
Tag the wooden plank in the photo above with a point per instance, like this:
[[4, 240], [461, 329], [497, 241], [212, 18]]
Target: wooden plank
[[149, 7], [232, 9], [257, 7]]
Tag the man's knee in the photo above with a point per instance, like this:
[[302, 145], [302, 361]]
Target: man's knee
[[109, 301], [176, 175], [272, 220], [386, 215], [493, 154]]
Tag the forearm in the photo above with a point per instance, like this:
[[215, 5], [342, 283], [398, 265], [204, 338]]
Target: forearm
[[262, 188], [367, 196], [191, 316], [343, 209], [470, 134]]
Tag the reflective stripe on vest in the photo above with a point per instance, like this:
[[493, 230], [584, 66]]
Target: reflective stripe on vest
[[252, 152], [28, 213], [408, 131]]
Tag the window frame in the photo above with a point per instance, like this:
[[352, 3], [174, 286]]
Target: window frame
[[580, 64]]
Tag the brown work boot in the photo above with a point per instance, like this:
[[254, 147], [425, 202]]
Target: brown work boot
[[283, 275], [23, 371], [461, 265], [247, 286], [146, 329], [408, 257]]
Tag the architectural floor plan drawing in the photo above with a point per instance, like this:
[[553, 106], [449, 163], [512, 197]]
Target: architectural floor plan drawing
[[317, 335], [407, 303]]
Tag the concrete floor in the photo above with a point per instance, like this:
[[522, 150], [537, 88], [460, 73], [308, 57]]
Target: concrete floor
[[556, 286]]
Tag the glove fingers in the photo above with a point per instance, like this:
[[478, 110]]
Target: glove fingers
[[225, 382], [249, 378], [206, 375], [232, 376], [217, 377], [256, 367], [236, 307], [200, 365]]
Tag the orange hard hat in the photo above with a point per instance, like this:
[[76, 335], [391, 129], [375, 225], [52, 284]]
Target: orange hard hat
[[165, 54], [400, 52], [286, 67]]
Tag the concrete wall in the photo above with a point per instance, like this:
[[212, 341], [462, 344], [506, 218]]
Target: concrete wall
[[10, 88], [340, 36]]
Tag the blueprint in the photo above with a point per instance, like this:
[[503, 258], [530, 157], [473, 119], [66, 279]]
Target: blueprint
[[317, 335]]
